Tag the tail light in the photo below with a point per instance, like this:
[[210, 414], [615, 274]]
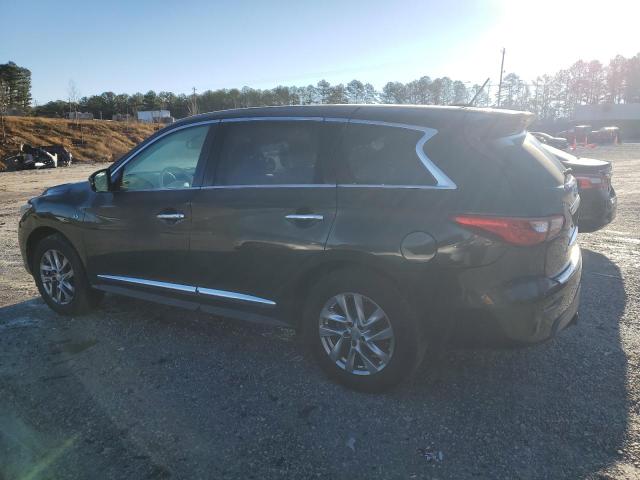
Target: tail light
[[590, 182], [519, 231]]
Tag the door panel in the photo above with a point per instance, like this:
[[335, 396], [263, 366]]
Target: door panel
[[141, 229], [125, 237], [242, 240], [269, 210]]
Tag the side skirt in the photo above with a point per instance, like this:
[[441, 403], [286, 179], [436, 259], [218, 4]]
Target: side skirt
[[236, 314]]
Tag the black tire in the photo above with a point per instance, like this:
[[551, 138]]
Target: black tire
[[84, 298], [408, 335]]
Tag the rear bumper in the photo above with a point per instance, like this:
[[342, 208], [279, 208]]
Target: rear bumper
[[597, 209], [526, 311]]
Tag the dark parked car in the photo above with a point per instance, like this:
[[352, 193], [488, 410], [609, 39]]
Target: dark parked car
[[377, 231], [598, 200], [556, 142]]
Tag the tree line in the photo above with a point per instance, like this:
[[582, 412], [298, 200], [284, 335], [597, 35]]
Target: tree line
[[583, 83], [15, 88], [549, 96]]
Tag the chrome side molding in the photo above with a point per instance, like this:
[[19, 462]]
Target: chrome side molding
[[149, 283], [234, 296], [209, 292]]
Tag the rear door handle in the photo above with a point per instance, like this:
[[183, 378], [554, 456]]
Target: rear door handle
[[305, 217], [170, 216]]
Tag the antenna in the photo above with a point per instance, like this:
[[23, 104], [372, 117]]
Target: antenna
[[473, 100]]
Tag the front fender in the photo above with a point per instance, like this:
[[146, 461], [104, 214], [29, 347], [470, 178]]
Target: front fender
[[58, 210]]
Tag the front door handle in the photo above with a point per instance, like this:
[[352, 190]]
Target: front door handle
[[309, 217]]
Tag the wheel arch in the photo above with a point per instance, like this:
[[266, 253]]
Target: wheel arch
[[306, 281], [40, 233]]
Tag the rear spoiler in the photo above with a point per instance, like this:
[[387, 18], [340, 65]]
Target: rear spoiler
[[492, 124]]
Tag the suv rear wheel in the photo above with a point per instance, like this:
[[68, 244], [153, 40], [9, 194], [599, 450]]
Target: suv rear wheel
[[361, 331], [61, 279]]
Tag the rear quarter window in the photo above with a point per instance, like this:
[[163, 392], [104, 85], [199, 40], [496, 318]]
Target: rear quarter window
[[382, 155], [479, 175], [552, 167]]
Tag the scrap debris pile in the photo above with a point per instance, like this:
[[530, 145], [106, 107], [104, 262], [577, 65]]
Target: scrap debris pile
[[46, 156]]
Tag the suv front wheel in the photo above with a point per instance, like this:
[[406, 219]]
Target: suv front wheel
[[61, 279], [361, 331]]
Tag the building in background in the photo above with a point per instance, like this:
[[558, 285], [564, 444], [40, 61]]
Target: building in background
[[155, 116], [626, 116], [80, 116]]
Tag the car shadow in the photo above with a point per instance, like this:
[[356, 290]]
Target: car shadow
[[137, 389], [555, 410]]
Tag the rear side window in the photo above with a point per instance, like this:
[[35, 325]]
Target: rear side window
[[382, 155], [537, 148], [527, 159], [270, 153]]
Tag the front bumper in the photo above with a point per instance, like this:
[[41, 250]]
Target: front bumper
[[526, 311]]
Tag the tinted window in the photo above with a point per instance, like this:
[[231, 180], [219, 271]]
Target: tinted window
[[269, 153], [167, 163], [537, 149], [475, 168], [525, 157], [381, 155]]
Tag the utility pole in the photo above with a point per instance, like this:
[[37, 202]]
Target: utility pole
[[500, 84], [194, 103]]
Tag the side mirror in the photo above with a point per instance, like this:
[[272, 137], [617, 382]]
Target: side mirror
[[100, 181]]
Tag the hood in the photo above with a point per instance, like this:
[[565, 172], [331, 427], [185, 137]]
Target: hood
[[66, 188]]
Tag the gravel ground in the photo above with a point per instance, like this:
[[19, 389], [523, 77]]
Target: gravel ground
[[137, 390]]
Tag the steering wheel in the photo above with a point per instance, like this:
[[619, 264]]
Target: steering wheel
[[171, 175], [135, 182]]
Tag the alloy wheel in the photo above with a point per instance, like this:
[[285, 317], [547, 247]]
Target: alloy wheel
[[56, 274], [356, 334]]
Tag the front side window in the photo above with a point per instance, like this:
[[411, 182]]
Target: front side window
[[382, 155], [169, 163], [270, 153]]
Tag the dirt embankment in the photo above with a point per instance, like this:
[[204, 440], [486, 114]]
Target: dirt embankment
[[88, 140]]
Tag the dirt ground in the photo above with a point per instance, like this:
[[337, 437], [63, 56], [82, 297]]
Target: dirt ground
[[137, 390]]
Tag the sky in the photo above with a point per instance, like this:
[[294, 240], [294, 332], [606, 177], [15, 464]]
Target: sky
[[138, 45]]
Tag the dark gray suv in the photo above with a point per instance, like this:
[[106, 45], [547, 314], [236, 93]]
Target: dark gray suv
[[379, 232]]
